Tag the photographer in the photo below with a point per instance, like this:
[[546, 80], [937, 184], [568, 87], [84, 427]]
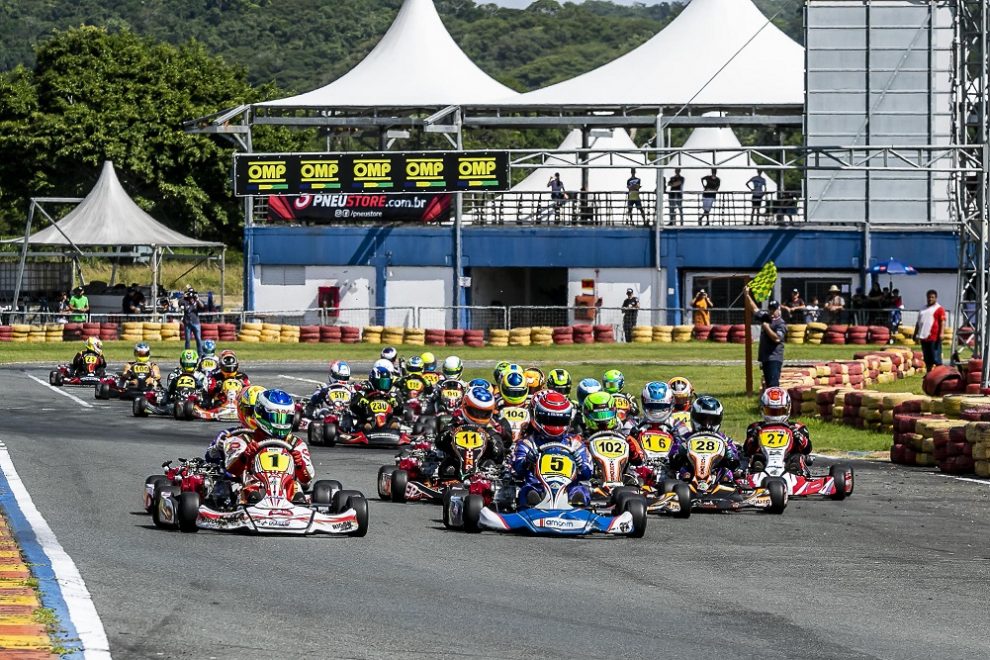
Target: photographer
[[773, 330], [702, 305], [191, 307]]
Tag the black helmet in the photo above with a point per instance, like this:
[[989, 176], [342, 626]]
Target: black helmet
[[706, 413]]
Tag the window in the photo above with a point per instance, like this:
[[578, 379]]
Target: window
[[283, 275]]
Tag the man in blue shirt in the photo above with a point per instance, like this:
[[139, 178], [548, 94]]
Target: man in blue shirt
[[758, 185]]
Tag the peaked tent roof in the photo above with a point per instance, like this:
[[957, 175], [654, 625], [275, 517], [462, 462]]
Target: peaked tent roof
[[670, 68], [416, 64], [108, 216], [733, 180]]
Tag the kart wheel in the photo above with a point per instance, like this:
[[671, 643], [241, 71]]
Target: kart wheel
[[188, 512], [102, 391], [473, 504], [614, 495], [385, 476], [330, 433], [160, 490], [778, 495], [338, 503], [323, 491], [154, 480], [138, 407], [177, 410], [296, 419], [51, 377], [446, 504], [636, 505], [187, 409], [620, 500], [683, 493], [667, 485], [400, 479], [360, 506], [838, 473], [314, 433]]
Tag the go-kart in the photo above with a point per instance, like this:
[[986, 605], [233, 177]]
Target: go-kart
[[208, 366], [271, 503], [778, 461], [413, 403], [196, 475], [386, 430], [712, 487], [137, 383], [158, 402], [329, 420], [516, 419], [418, 474], [448, 400], [555, 470], [63, 374], [224, 407]]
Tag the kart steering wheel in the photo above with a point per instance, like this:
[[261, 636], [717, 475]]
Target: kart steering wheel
[[275, 443]]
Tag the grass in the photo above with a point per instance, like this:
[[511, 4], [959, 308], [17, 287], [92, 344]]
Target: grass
[[47, 617], [715, 369], [204, 277]]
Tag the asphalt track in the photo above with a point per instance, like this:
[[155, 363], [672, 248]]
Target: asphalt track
[[900, 570]]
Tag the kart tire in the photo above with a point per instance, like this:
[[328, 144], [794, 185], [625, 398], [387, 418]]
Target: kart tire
[[296, 420], [777, 490], [400, 479], [323, 491], [139, 407], [339, 501], [683, 493], [636, 505], [667, 485], [314, 433], [177, 410], [614, 496], [155, 479], [838, 473], [188, 512], [384, 472], [96, 391], [360, 506], [473, 504], [447, 494], [620, 500], [187, 409], [330, 433], [52, 375], [156, 496], [103, 391]]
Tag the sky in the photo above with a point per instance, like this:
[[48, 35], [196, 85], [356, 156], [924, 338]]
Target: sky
[[519, 4]]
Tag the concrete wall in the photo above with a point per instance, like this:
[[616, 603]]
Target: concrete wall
[[357, 292], [647, 283], [408, 286]]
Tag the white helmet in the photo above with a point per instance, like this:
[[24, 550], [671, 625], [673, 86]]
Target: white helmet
[[385, 364]]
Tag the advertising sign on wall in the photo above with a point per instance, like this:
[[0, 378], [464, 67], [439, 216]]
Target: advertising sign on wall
[[335, 207]]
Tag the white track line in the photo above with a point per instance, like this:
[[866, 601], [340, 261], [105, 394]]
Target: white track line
[[983, 482], [301, 380], [77, 599], [59, 390]]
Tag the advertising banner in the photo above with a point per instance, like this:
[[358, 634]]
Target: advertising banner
[[335, 207]]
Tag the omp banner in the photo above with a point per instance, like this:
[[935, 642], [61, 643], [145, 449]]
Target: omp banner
[[380, 173], [333, 207]]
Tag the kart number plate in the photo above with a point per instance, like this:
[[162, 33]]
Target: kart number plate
[[274, 460], [431, 378], [682, 416], [414, 385], [516, 415], [468, 439], [610, 447], [90, 359], [207, 364], [557, 465], [186, 382], [706, 445], [141, 369], [452, 395], [656, 442], [340, 395], [621, 403], [774, 439], [378, 407]]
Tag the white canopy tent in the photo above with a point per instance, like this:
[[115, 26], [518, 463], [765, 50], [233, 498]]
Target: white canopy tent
[[716, 53], [416, 64], [107, 217]]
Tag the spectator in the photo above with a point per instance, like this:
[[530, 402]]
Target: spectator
[[835, 305], [931, 321], [62, 308], [812, 311], [557, 195], [630, 309], [896, 306], [773, 330], [133, 301], [758, 185], [702, 305], [675, 195], [857, 304], [633, 185], [191, 307], [711, 184], [794, 307], [78, 306]]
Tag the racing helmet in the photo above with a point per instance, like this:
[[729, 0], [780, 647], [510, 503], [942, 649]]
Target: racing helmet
[[534, 379], [429, 361], [142, 352], [390, 354], [188, 360], [658, 401], [380, 378], [483, 384], [551, 414], [274, 412], [776, 405], [414, 365], [384, 364], [599, 411], [586, 387], [683, 392], [452, 367], [478, 405], [340, 372], [245, 406], [94, 345], [209, 347], [706, 413], [613, 381], [228, 363], [559, 380], [513, 388], [499, 370], [514, 367]]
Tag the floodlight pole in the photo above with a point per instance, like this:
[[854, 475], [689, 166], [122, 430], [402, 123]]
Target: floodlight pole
[[24, 251], [458, 244], [658, 215]]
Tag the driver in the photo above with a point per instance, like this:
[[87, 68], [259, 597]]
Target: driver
[[208, 360], [612, 382], [141, 364], [224, 442], [340, 374], [188, 360], [475, 414], [658, 403], [535, 380], [775, 403], [92, 348], [379, 389], [229, 369], [551, 416], [512, 390], [389, 353], [706, 417]]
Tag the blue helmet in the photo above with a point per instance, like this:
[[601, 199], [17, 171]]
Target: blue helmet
[[209, 347], [380, 378], [482, 383], [658, 401], [274, 412], [586, 387]]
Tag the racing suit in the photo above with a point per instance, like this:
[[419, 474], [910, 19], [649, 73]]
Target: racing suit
[[361, 408], [214, 385], [173, 378], [797, 457], [638, 457], [525, 455], [79, 363], [680, 464], [127, 374], [236, 437], [240, 454], [319, 399], [445, 443]]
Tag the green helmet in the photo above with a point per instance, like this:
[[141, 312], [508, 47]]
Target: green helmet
[[188, 360], [559, 380], [613, 380], [599, 412], [499, 370]]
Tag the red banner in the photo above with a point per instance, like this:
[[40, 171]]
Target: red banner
[[356, 207]]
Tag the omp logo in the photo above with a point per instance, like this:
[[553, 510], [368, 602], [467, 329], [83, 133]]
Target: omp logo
[[319, 170], [418, 169], [268, 171], [476, 167], [372, 170]]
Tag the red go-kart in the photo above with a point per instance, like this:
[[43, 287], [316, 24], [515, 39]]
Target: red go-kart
[[777, 458], [63, 374]]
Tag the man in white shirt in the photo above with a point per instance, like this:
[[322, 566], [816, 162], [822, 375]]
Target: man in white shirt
[[758, 185], [931, 321]]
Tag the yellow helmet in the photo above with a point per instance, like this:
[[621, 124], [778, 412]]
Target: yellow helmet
[[245, 406], [429, 361], [95, 345], [534, 379]]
